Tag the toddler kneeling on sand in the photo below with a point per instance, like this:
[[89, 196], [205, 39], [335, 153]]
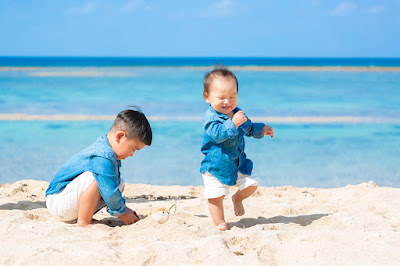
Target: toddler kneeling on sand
[[91, 179], [225, 163]]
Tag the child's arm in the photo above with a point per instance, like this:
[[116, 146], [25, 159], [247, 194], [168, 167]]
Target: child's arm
[[112, 196], [106, 178], [256, 130], [221, 130]]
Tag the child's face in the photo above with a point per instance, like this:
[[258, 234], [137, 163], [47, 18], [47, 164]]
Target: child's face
[[126, 147], [222, 95]]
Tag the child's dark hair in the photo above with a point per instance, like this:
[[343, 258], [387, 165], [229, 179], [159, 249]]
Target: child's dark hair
[[135, 125], [221, 71]]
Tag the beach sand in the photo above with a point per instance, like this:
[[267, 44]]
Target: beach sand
[[353, 225]]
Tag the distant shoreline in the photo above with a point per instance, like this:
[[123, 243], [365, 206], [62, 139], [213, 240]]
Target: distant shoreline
[[94, 70], [271, 119]]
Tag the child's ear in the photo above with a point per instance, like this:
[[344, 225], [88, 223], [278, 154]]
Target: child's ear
[[119, 136], [205, 95]]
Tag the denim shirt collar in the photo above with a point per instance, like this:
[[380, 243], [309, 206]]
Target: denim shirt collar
[[221, 115]]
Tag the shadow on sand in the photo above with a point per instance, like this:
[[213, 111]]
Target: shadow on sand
[[109, 221], [23, 205], [302, 220]]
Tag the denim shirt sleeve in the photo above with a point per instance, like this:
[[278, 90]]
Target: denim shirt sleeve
[[220, 130], [253, 129], [108, 182]]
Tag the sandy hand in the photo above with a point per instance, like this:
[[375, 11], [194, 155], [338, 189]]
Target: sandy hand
[[129, 217], [239, 118]]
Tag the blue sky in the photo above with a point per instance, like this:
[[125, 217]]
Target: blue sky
[[296, 28]]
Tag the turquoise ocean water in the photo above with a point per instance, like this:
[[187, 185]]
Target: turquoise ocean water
[[304, 152]]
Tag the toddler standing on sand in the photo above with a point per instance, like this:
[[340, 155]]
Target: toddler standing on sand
[[91, 179], [225, 163]]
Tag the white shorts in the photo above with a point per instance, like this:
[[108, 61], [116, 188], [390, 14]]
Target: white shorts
[[213, 188], [65, 205]]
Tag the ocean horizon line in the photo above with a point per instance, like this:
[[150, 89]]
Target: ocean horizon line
[[273, 119]]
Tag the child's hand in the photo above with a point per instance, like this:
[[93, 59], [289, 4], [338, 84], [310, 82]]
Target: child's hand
[[268, 130], [129, 217], [239, 118]]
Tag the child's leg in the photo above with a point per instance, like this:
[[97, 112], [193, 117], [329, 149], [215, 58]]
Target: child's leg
[[239, 196], [217, 212], [215, 192], [87, 204], [65, 205], [247, 186]]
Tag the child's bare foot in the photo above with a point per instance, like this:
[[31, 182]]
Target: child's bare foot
[[238, 206], [85, 225], [222, 226]]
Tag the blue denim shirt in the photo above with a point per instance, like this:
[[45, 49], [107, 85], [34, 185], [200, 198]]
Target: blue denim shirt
[[100, 159], [223, 146]]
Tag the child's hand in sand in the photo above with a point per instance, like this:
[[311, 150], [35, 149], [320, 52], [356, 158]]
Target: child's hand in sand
[[129, 217], [239, 118], [268, 131]]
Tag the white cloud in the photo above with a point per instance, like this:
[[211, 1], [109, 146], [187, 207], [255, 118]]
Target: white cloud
[[343, 9], [315, 3], [82, 10], [223, 4], [222, 8], [131, 5], [376, 9]]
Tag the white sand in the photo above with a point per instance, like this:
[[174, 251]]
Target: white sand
[[354, 225]]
